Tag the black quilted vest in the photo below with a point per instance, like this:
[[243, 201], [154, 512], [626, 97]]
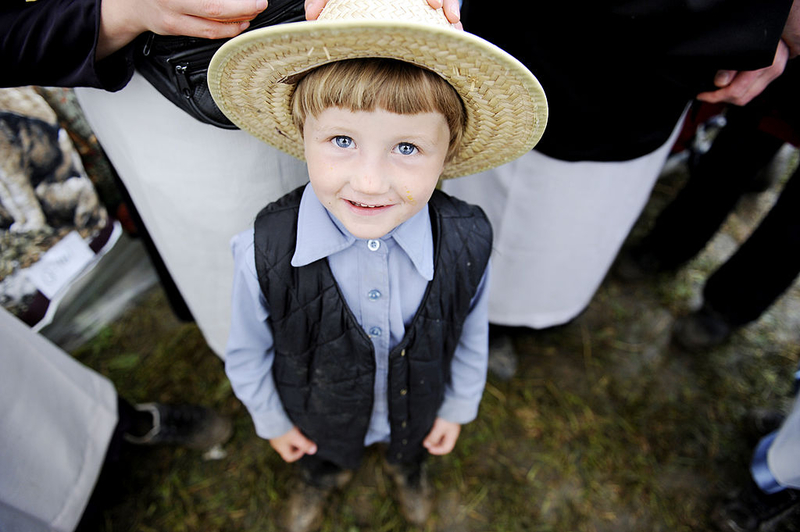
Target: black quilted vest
[[324, 365]]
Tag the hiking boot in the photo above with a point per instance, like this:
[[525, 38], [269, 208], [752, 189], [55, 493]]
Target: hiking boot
[[192, 426], [752, 510], [700, 330], [413, 493], [305, 509]]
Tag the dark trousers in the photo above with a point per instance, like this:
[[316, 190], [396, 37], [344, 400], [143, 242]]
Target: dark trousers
[[769, 261], [112, 474], [764, 266], [717, 181]]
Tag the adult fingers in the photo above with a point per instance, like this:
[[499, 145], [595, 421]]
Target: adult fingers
[[451, 10], [450, 7], [741, 87], [314, 8], [218, 10], [193, 26]]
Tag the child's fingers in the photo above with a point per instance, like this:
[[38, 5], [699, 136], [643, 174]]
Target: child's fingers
[[433, 442], [307, 446], [293, 445], [291, 454], [442, 437], [300, 445], [440, 444]]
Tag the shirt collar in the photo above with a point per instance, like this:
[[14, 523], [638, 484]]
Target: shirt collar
[[319, 234]]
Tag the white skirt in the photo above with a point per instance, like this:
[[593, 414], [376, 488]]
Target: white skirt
[[194, 185], [55, 426], [558, 227]]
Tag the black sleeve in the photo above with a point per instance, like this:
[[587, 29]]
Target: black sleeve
[[53, 43], [618, 73]]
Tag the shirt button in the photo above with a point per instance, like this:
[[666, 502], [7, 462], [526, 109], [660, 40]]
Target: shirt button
[[404, 424], [373, 245], [375, 331], [374, 294], [403, 391]]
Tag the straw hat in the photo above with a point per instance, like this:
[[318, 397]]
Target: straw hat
[[252, 77]]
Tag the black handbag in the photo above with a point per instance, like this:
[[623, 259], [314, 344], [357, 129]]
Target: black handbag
[[177, 66]]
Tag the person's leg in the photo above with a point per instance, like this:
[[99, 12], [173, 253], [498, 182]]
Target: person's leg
[[764, 266], [189, 426], [750, 281], [413, 489], [716, 182], [309, 493], [773, 490], [782, 456]]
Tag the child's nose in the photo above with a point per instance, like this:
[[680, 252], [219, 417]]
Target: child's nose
[[370, 178]]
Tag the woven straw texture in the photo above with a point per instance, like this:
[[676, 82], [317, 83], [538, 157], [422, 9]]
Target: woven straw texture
[[251, 76]]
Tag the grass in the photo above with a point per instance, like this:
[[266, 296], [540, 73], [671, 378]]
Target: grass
[[605, 425]]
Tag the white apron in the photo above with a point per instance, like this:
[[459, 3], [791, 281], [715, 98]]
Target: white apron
[[558, 227], [56, 421], [194, 185]]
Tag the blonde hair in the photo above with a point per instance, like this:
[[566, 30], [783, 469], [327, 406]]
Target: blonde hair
[[367, 84]]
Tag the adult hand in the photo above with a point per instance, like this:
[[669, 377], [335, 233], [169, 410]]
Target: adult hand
[[739, 88], [791, 32], [442, 437], [451, 10], [293, 445], [121, 21]]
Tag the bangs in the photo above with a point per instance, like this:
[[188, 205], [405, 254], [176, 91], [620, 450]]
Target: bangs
[[388, 84]]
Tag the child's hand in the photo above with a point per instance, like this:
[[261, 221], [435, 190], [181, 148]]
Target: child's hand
[[442, 437], [293, 445]]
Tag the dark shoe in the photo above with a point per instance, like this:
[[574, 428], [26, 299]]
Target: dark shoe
[[305, 508], [752, 510], [192, 426], [762, 421], [413, 493], [700, 330], [502, 357], [637, 264]]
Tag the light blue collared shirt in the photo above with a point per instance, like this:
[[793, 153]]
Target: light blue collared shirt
[[383, 282]]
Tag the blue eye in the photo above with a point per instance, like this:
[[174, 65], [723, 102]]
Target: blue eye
[[406, 148], [343, 141]]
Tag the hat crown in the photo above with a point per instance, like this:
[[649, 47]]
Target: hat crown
[[396, 10], [252, 77]]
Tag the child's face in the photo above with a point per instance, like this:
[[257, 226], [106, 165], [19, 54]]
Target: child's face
[[374, 170]]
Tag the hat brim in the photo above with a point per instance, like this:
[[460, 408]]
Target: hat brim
[[252, 79]]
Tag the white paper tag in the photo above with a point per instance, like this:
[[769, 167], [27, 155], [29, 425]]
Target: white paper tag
[[60, 264]]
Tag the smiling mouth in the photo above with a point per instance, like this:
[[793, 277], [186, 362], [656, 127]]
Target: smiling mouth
[[364, 205]]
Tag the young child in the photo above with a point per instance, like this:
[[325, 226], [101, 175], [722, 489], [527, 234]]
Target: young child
[[360, 300]]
